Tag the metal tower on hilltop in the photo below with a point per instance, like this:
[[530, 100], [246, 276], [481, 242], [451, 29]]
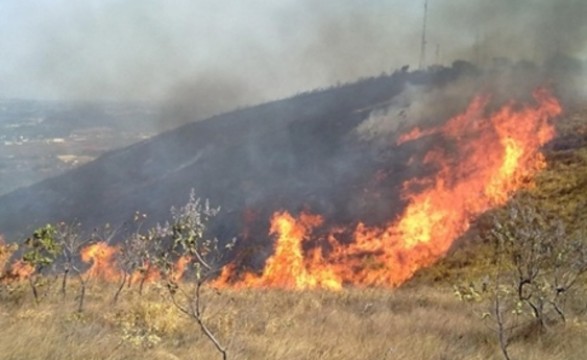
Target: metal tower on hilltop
[[422, 62]]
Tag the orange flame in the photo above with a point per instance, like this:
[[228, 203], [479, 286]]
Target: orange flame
[[149, 273], [414, 134], [492, 156], [101, 256], [180, 267], [288, 268], [19, 271]]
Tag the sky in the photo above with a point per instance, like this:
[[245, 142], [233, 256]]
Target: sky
[[241, 52], [149, 49]]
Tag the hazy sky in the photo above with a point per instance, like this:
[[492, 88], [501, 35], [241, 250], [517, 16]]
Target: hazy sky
[[246, 50]]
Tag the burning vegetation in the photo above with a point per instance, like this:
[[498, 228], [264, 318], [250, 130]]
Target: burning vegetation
[[333, 198], [468, 164], [479, 159], [100, 256], [486, 156]]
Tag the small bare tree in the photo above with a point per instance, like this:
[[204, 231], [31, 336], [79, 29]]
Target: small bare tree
[[133, 257], [71, 241], [142, 245], [183, 242], [100, 234], [537, 267], [545, 261]]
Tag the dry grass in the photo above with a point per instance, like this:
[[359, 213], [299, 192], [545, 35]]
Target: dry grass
[[418, 322]]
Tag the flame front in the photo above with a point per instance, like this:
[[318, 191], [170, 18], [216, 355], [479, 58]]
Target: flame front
[[490, 157]]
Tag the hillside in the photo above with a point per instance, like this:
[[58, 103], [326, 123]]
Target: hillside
[[560, 190], [422, 320], [286, 154], [391, 169], [438, 314]]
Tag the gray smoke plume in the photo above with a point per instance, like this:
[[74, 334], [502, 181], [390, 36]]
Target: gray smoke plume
[[534, 30], [199, 58]]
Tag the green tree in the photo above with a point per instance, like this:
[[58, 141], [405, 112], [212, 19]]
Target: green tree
[[42, 250]]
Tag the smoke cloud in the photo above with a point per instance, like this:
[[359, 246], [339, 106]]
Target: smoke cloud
[[202, 57], [534, 30]]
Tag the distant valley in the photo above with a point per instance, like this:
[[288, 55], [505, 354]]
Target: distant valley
[[42, 139]]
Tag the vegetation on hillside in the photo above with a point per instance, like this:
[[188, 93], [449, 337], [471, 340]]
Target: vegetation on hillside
[[525, 262], [513, 287]]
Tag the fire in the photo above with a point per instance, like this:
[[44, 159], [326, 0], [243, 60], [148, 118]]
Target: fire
[[491, 155], [147, 274], [289, 268], [412, 135], [180, 267], [101, 256], [19, 271], [6, 252], [484, 157]]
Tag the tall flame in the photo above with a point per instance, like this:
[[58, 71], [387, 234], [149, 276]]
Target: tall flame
[[16, 271], [180, 267], [101, 256], [289, 268], [490, 157]]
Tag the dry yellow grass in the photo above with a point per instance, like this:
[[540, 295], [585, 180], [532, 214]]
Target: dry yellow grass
[[416, 322]]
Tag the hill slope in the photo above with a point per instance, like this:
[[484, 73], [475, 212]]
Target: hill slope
[[286, 154]]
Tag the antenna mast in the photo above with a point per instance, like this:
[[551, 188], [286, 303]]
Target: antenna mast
[[423, 43]]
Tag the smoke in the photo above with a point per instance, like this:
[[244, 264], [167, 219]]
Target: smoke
[[199, 58], [514, 47], [428, 102], [203, 96], [417, 105], [535, 30]]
